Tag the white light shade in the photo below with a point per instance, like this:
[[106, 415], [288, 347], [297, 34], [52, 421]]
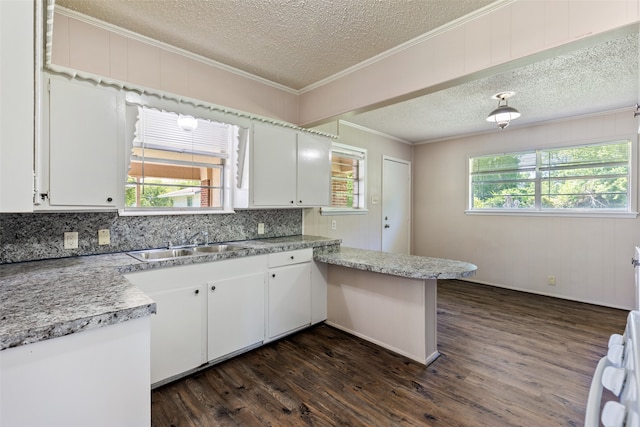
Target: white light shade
[[187, 122], [503, 115]]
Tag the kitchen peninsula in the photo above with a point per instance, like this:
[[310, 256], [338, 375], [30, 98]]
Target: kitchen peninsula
[[388, 299], [69, 324]]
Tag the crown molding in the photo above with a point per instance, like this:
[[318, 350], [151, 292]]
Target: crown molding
[[406, 45], [372, 131]]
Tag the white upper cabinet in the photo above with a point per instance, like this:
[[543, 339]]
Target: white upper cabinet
[[82, 147], [314, 170], [274, 166], [288, 168], [16, 106]]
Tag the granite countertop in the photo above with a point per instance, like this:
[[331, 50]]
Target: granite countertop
[[40, 300], [409, 266]]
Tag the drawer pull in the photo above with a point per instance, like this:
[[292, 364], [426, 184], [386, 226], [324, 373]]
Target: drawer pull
[[273, 275], [197, 291], [292, 257], [213, 288]]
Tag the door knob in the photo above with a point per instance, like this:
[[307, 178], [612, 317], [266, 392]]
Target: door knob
[[387, 226]]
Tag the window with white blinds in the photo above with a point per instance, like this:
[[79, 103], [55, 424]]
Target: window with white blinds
[[178, 161], [348, 167], [164, 130]]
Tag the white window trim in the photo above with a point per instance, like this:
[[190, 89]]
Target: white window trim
[[135, 100], [331, 210], [328, 210], [631, 213]]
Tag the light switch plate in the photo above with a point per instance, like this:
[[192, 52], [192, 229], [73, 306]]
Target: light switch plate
[[104, 237], [71, 240]]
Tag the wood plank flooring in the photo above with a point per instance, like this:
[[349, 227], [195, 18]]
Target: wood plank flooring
[[508, 359]]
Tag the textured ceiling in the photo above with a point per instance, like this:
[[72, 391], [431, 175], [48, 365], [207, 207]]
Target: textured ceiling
[[593, 79], [291, 42], [297, 43]]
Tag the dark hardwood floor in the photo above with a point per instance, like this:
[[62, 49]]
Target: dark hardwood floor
[[507, 359]]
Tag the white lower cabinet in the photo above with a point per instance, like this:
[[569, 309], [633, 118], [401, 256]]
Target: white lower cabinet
[[289, 292], [98, 378], [211, 311], [176, 331], [235, 315]]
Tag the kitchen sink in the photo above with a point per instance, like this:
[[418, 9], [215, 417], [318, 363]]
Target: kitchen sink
[[164, 254], [217, 248], [160, 254]]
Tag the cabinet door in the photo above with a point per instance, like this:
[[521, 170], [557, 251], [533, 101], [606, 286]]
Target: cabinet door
[[289, 299], [16, 104], [236, 314], [314, 170], [274, 166], [176, 332], [82, 145]]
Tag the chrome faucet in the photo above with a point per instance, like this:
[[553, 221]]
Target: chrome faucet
[[194, 239]]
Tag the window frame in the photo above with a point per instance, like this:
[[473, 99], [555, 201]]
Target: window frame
[[201, 111], [630, 212], [362, 183]]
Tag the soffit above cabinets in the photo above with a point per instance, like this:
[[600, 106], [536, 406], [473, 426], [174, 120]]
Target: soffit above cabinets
[[291, 42], [299, 44]]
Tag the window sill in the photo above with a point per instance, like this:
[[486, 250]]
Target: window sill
[[341, 211], [566, 213], [151, 212]]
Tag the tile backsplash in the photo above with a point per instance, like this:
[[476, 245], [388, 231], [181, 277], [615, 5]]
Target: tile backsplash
[[26, 237]]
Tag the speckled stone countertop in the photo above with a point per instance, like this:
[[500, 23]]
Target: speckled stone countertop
[[409, 266], [40, 300]]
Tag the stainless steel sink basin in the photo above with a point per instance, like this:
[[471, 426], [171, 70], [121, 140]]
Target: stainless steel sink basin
[[164, 254], [160, 254], [217, 248]]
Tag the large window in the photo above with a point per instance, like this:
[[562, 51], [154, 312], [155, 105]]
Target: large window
[[348, 166], [178, 161], [589, 177]]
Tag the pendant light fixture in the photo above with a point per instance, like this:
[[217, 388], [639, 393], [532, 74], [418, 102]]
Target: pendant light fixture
[[503, 115]]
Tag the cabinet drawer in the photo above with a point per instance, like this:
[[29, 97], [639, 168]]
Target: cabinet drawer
[[290, 257]]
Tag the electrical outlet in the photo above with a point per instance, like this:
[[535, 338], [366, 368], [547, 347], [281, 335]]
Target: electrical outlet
[[104, 237], [71, 240], [551, 280], [261, 228], [333, 224]]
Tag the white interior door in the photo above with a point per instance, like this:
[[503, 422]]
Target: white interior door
[[396, 205]]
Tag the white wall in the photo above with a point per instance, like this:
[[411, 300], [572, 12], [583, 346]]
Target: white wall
[[590, 257], [104, 50], [359, 231]]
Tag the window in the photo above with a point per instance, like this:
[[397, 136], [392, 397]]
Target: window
[[348, 166], [178, 161], [587, 177]]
